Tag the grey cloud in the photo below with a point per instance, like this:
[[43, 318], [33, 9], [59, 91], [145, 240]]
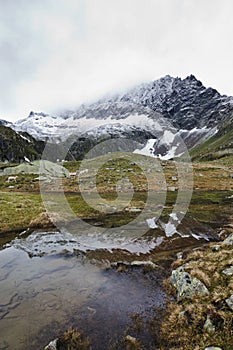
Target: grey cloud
[[57, 54]]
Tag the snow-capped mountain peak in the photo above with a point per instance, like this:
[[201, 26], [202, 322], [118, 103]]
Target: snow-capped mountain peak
[[162, 109]]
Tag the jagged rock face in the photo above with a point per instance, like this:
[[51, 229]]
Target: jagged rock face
[[185, 102], [15, 147], [183, 106]]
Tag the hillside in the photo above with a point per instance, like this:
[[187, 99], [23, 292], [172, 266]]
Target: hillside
[[18, 147], [218, 146]]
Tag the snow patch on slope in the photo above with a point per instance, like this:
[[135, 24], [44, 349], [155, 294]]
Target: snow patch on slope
[[148, 150], [168, 137]]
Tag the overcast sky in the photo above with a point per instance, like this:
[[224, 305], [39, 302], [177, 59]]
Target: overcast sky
[[57, 54]]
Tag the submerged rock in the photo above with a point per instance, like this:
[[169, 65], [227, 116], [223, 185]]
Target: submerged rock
[[186, 285]]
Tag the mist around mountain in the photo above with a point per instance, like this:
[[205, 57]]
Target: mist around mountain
[[162, 115]]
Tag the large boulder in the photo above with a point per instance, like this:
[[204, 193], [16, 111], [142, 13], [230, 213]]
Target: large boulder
[[186, 285], [43, 168]]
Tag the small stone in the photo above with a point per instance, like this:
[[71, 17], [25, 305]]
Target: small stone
[[174, 178], [229, 302], [133, 342], [172, 188], [52, 345], [216, 248], [208, 326], [229, 240], [121, 268], [130, 338], [179, 255], [213, 348], [222, 232], [143, 263], [228, 271]]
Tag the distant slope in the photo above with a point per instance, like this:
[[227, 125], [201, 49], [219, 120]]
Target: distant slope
[[14, 147], [218, 146]]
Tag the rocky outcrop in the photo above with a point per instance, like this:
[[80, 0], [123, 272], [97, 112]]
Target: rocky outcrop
[[195, 113], [186, 285], [186, 102]]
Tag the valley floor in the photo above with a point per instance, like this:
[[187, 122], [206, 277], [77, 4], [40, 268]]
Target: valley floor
[[210, 211]]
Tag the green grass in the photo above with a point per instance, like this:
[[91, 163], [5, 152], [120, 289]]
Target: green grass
[[218, 146], [18, 209]]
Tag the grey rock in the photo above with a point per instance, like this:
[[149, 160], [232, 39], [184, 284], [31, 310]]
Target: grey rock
[[213, 348], [228, 271], [229, 240], [143, 263], [216, 248], [52, 345], [186, 285], [179, 255], [208, 326], [172, 188], [229, 302]]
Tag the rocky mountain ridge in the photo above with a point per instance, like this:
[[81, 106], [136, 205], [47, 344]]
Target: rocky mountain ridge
[[185, 102], [184, 107]]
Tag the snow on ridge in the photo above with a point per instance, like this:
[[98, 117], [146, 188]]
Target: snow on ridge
[[46, 126], [24, 138]]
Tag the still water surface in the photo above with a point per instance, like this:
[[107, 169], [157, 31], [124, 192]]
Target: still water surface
[[41, 296]]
